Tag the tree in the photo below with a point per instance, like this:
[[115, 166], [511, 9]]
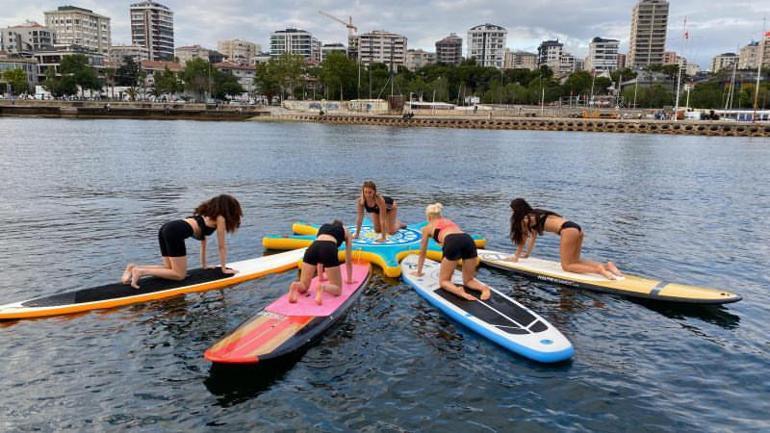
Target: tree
[[128, 73], [579, 83], [226, 84], [166, 82], [266, 80], [77, 67], [17, 78], [338, 74], [288, 70], [59, 86], [197, 77]]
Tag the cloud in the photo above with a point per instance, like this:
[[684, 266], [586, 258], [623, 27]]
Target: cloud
[[714, 29]]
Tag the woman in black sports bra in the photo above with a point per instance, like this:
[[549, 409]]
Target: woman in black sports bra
[[221, 214], [527, 223], [322, 256], [382, 210]]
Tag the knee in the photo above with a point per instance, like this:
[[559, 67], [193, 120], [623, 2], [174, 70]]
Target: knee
[[180, 276]]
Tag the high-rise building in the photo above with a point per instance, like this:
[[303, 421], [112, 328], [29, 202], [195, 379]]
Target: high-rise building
[[450, 50], [416, 59], [379, 46], [748, 58], [621, 61], [602, 55], [25, 38], [486, 44], [647, 44], [520, 60], [238, 51], [549, 54], [77, 26], [723, 61], [295, 41], [152, 26]]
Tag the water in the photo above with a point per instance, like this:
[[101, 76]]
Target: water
[[79, 199]]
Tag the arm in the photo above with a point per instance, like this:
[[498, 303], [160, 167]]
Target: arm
[[222, 244], [348, 258], [359, 217], [423, 250], [530, 244], [203, 253]]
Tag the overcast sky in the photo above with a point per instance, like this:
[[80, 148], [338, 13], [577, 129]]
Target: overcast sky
[[714, 27]]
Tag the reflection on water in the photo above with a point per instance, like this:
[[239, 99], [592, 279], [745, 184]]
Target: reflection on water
[[82, 198]]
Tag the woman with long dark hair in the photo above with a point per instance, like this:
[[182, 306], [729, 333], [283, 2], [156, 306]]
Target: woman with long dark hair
[[221, 214], [527, 223]]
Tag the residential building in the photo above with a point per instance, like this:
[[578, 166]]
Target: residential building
[[416, 59], [51, 59], [262, 58], [152, 26], [692, 69], [25, 39], [567, 65], [723, 61], [748, 58], [244, 73], [29, 66], [602, 55], [239, 51], [190, 52], [621, 61], [152, 67], [486, 44], [549, 54], [649, 22], [520, 60], [137, 53], [327, 49], [670, 58], [379, 46], [449, 50], [295, 41], [77, 26]]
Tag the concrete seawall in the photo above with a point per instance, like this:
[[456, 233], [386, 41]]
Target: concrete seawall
[[704, 128], [150, 111]]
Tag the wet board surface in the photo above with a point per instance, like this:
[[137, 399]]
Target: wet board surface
[[499, 319], [117, 294], [629, 285], [284, 328]]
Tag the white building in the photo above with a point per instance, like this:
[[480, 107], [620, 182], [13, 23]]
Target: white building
[[244, 73], [29, 66], [649, 22], [77, 26], [449, 50], [327, 49], [25, 38], [137, 53], [239, 51], [416, 59], [295, 41], [379, 46], [152, 26], [51, 59], [723, 61], [549, 53], [602, 55], [486, 44]]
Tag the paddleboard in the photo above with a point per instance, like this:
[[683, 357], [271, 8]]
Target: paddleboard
[[629, 285], [118, 294], [283, 328], [500, 318], [367, 246]]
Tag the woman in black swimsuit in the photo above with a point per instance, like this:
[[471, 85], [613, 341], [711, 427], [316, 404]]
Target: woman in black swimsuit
[[527, 223], [322, 256], [221, 214], [382, 209]]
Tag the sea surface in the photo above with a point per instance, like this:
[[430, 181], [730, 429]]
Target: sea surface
[[80, 198]]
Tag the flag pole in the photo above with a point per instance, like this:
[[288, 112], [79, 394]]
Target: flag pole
[[763, 42]]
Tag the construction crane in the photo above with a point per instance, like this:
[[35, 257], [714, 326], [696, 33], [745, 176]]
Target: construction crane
[[352, 30]]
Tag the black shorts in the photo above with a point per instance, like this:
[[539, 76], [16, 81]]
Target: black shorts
[[171, 238], [323, 252], [570, 225], [459, 246]]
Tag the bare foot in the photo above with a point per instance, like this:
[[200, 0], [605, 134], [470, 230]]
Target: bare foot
[[318, 292], [135, 275], [126, 278], [468, 297], [294, 288], [485, 294], [614, 269]]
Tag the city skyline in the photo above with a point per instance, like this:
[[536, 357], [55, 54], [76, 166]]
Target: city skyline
[[721, 28]]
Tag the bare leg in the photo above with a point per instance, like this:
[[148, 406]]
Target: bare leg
[[300, 287], [334, 286], [392, 220], [446, 270], [177, 270], [375, 217], [569, 248], [470, 281]]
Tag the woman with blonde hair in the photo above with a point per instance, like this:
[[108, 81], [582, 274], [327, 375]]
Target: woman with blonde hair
[[455, 245]]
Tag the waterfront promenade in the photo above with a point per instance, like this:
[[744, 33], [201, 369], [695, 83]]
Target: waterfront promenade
[[549, 120]]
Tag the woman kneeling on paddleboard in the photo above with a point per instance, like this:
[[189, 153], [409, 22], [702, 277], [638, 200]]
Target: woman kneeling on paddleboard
[[456, 245], [220, 214], [382, 209], [527, 223], [322, 255]]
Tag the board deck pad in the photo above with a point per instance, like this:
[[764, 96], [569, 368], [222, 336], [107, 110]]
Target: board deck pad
[[118, 294], [500, 318], [629, 285], [385, 254], [283, 328]]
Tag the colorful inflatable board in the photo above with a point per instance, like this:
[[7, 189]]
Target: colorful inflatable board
[[386, 254]]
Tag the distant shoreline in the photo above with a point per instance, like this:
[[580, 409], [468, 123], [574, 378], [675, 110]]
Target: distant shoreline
[[224, 112]]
